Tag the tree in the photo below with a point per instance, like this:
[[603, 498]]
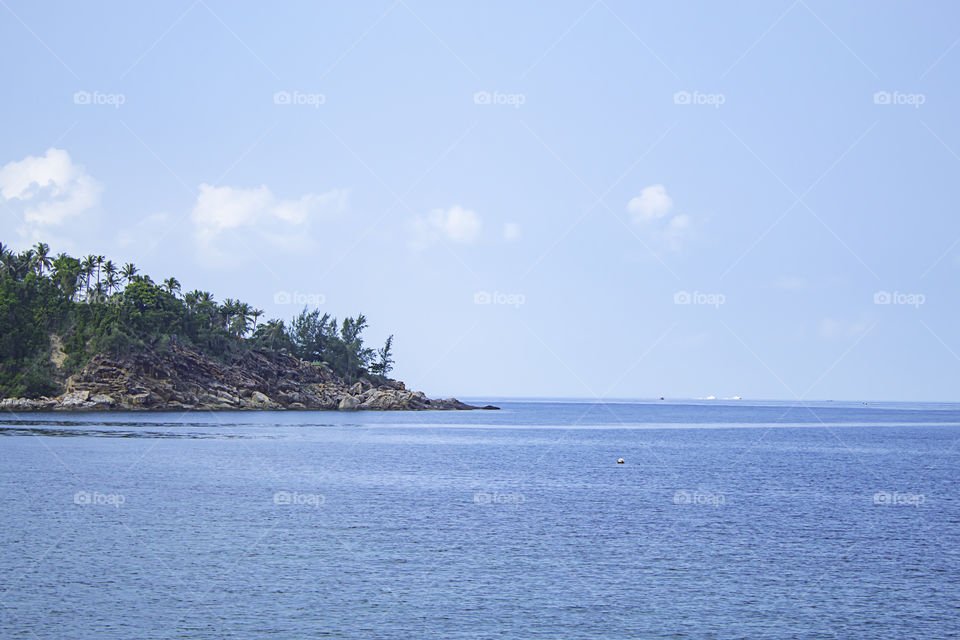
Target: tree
[[272, 335], [171, 286], [66, 274], [240, 320], [312, 335], [99, 260], [88, 265], [40, 295], [128, 272], [110, 270], [41, 257], [384, 362], [354, 358], [112, 282]]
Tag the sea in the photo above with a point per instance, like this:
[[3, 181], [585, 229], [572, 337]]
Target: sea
[[725, 519]]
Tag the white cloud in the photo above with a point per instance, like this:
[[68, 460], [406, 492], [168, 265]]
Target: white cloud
[[51, 187], [455, 224], [653, 203], [221, 208], [511, 232], [653, 210]]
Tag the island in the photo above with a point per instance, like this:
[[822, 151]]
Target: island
[[85, 334]]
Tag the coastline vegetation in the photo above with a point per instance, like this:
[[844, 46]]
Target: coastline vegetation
[[95, 306]]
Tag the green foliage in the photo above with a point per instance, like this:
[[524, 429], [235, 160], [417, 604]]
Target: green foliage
[[81, 301], [384, 359]]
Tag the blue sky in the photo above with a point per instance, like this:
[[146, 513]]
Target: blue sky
[[583, 199]]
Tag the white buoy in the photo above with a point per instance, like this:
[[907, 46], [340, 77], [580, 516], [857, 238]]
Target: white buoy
[[619, 460]]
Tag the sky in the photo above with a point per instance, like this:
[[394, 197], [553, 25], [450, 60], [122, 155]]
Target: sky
[[591, 199]]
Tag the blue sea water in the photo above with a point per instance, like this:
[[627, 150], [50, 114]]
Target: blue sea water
[[726, 520]]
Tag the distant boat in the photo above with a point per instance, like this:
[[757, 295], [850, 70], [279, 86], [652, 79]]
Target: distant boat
[[737, 398], [711, 397]]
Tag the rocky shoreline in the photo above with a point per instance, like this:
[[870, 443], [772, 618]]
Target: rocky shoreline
[[180, 380]]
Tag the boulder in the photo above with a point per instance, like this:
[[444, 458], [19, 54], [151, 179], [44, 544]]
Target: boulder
[[259, 400], [348, 403], [74, 399]]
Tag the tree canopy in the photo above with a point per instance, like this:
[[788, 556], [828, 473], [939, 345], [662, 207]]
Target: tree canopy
[[96, 307]]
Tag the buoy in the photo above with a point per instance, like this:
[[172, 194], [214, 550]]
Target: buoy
[[619, 460]]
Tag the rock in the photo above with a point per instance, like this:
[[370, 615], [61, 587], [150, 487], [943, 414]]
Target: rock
[[102, 401], [74, 399], [348, 403], [182, 379], [27, 404], [258, 400]]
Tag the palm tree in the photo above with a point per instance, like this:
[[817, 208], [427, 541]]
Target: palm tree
[[255, 314], [227, 311], [99, 261], [128, 272], [87, 267], [41, 257], [112, 282], [5, 256], [171, 286], [99, 292], [110, 269], [240, 322]]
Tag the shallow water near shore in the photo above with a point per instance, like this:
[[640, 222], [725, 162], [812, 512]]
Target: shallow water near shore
[[727, 520]]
